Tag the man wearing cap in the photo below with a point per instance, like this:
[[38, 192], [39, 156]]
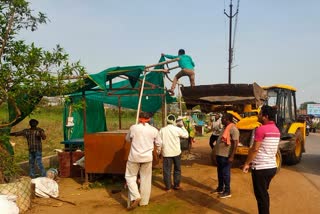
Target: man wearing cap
[[171, 150], [187, 68], [34, 137], [216, 128], [142, 136]]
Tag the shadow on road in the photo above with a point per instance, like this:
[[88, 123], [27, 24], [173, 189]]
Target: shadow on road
[[309, 164], [197, 198]]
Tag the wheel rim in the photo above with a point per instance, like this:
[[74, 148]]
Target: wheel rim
[[278, 160], [298, 148]]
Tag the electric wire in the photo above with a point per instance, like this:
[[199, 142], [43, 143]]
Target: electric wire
[[225, 29], [235, 30]]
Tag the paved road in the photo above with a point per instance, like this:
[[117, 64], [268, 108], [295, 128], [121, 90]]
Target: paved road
[[297, 188], [310, 163]]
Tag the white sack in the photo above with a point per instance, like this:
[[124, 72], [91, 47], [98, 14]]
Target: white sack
[[45, 187], [8, 205]]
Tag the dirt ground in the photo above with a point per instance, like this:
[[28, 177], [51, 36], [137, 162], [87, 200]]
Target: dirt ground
[[199, 177]]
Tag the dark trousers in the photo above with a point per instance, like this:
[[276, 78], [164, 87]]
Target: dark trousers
[[36, 157], [224, 175], [212, 139], [167, 167], [261, 180]]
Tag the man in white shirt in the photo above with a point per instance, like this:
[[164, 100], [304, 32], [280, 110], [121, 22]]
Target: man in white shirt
[[216, 128], [171, 150], [142, 136]]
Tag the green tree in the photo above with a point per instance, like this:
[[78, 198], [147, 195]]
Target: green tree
[[28, 72]]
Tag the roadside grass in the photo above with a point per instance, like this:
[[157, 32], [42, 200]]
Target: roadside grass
[[50, 119], [166, 206]]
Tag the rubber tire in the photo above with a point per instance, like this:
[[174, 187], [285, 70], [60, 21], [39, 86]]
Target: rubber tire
[[278, 160], [294, 156]]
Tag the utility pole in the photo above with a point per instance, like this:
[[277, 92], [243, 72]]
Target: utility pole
[[230, 16]]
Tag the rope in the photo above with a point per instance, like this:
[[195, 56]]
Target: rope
[[58, 199], [171, 79]]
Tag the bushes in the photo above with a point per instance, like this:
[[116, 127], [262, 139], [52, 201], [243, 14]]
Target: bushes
[[9, 169]]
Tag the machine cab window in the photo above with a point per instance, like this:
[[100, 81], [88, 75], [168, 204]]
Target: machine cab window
[[283, 100]]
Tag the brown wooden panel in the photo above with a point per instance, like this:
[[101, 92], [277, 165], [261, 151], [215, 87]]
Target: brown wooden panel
[[106, 152]]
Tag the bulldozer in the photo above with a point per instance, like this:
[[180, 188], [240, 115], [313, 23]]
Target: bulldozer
[[244, 102]]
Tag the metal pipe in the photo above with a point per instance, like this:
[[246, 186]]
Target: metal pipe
[[140, 96]]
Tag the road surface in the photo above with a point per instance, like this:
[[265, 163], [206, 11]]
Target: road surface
[[295, 189]]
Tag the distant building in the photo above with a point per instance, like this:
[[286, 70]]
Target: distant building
[[53, 101], [314, 109]]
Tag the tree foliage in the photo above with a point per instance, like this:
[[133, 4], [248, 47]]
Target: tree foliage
[[27, 71]]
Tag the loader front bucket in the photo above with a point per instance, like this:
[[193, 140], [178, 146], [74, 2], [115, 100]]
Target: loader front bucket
[[223, 95]]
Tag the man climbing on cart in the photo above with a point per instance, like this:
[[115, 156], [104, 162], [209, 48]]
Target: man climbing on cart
[[187, 68]]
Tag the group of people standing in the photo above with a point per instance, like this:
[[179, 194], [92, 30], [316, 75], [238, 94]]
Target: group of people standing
[[261, 158], [144, 138], [225, 138]]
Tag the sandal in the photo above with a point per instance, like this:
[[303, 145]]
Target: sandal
[[134, 204]]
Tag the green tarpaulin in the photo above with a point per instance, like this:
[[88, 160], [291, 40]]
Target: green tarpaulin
[[98, 91]]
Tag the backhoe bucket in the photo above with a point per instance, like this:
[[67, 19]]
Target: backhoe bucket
[[224, 96]]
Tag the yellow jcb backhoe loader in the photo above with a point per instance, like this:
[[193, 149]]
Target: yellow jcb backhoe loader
[[244, 102]]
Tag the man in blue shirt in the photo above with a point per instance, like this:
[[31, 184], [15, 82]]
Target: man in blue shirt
[[187, 68]]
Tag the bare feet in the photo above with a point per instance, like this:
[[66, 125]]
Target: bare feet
[[134, 204]]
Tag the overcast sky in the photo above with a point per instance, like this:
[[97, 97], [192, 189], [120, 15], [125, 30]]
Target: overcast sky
[[277, 42]]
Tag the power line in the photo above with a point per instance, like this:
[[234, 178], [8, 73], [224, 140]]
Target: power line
[[235, 25], [230, 16]]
